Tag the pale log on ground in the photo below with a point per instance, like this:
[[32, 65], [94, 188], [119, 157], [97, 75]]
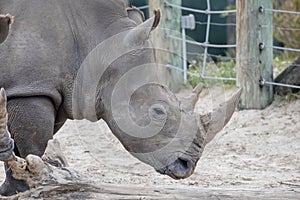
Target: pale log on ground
[[59, 182]]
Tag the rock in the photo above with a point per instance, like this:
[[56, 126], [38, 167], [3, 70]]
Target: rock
[[290, 75]]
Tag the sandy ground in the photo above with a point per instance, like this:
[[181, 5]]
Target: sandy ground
[[256, 150]]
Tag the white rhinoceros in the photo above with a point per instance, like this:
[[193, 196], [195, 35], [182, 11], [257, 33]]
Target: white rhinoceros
[[93, 60]]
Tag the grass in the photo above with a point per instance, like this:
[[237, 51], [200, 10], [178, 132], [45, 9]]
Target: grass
[[280, 62], [218, 68], [227, 69]]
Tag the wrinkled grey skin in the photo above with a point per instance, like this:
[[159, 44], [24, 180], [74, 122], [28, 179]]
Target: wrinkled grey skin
[[93, 60]]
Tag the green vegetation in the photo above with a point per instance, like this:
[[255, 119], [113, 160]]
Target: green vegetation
[[224, 69], [227, 69], [286, 26], [286, 31], [281, 62]]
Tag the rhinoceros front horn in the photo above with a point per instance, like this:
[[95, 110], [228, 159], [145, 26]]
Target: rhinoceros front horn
[[142, 32], [216, 120], [5, 22]]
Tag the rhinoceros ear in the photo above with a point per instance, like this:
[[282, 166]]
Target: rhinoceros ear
[[216, 120], [5, 22], [157, 16], [142, 32], [136, 15]]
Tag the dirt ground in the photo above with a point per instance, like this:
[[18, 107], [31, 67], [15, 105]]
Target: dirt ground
[[257, 150]]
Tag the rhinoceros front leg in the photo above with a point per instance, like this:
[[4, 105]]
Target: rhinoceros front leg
[[31, 124], [10, 186], [6, 143]]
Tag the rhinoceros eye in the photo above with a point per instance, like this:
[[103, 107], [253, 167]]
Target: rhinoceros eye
[[158, 112]]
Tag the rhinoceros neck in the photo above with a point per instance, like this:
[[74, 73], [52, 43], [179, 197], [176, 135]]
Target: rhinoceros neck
[[103, 51], [58, 39], [91, 71]]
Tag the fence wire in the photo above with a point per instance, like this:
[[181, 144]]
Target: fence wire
[[286, 29], [206, 44], [280, 84], [282, 11], [208, 11], [283, 48], [181, 70], [215, 24], [143, 7], [217, 57]]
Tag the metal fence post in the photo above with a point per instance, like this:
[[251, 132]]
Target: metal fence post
[[184, 56], [187, 22]]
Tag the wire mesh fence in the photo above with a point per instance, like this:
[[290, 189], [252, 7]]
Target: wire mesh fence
[[206, 44]]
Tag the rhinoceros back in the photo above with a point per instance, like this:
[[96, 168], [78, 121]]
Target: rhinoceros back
[[49, 41]]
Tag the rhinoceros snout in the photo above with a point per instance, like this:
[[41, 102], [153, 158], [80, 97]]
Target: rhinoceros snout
[[179, 169]]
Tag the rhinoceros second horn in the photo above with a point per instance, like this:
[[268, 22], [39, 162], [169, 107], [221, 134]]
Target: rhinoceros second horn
[[215, 121]]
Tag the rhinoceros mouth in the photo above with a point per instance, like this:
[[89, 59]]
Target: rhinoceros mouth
[[179, 169]]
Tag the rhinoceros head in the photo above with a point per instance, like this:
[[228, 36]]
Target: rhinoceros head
[[158, 129], [147, 118]]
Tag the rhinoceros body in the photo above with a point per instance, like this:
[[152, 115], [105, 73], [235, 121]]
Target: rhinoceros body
[[50, 40], [93, 60]]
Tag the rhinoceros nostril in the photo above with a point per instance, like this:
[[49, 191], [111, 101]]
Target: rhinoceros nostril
[[182, 168], [183, 164], [179, 169]]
